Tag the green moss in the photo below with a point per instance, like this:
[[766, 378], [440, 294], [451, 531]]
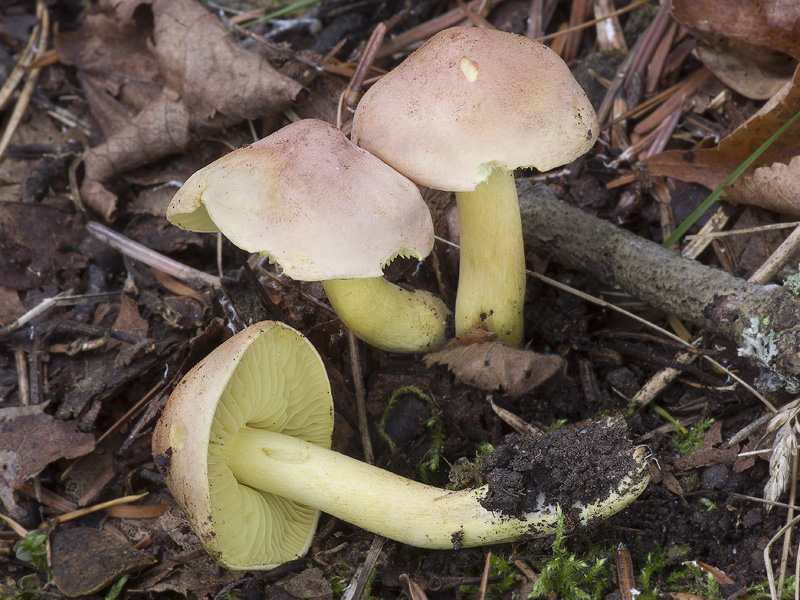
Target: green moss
[[565, 575], [761, 591], [434, 425], [502, 578], [689, 441]]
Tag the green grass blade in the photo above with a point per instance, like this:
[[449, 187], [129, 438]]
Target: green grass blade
[[714, 196]]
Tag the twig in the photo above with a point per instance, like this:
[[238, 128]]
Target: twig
[[22, 378], [625, 577], [768, 563], [778, 259], [360, 579], [762, 500], [787, 538], [711, 235], [586, 24], [485, 577], [31, 78], [650, 40], [102, 506], [150, 257], [430, 27], [361, 398], [350, 94], [37, 310]]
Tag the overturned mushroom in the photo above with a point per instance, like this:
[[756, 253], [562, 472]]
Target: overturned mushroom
[[326, 211], [243, 444], [460, 114]]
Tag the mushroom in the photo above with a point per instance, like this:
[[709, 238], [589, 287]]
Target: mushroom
[[324, 210], [243, 444], [460, 114]]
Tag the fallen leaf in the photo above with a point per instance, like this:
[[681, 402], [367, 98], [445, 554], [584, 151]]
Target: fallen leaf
[[771, 23], [708, 455], [310, 583], [494, 366], [192, 571], [672, 484], [748, 45], [10, 305], [710, 167], [28, 261], [129, 321], [755, 72], [775, 188], [30, 442], [718, 574], [85, 560], [205, 82]]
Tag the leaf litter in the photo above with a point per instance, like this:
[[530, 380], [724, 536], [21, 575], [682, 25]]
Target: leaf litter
[[161, 84]]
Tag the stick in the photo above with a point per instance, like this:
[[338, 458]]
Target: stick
[[708, 297]]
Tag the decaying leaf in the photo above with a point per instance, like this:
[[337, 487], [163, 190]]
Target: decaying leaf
[[748, 45], [710, 167], [30, 442], [85, 560], [192, 570], [28, 261], [755, 72], [495, 366], [205, 82], [776, 187], [709, 454], [769, 23]]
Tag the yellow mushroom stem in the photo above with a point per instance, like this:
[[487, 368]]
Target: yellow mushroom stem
[[387, 316], [491, 279], [392, 506]]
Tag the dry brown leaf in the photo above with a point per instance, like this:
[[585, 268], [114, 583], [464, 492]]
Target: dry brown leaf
[[755, 72], [494, 366], [776, 188], [85, 560], [718, 574], [710, 167], [749, 44], [30, 442], [10, 305], [708, 455], [29, 261], [771, 23], [205, 82]]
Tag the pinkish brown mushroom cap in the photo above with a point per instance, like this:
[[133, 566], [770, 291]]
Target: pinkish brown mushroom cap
[[472, 99], [311, 201]]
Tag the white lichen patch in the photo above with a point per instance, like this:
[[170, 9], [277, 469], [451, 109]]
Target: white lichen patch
[[758, 345]]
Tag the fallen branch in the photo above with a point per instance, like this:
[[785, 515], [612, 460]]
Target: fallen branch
[[764, 320]]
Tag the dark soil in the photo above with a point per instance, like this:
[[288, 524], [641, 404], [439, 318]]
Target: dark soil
[[578, 464]]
